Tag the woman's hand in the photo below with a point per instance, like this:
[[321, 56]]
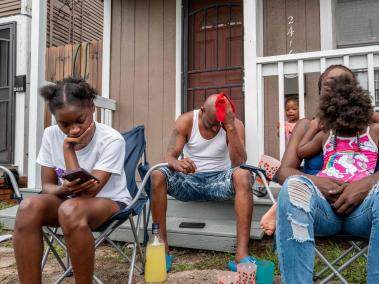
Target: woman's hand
[[83, 139], [71, 144], [330, 188], [75, 187], [353, 195]]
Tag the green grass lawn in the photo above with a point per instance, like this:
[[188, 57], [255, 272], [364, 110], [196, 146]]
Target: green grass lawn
[[187, 259], [190, 259], [4, 205]]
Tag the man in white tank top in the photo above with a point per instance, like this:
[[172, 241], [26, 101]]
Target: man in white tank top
[[209, 170]]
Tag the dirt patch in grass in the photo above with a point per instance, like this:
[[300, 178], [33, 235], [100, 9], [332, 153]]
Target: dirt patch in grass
[[190, 266]]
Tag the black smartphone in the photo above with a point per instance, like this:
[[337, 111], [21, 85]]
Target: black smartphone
[[80, 173], [192, 225]]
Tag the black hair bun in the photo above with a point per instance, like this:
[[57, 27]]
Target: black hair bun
[[48, 92]]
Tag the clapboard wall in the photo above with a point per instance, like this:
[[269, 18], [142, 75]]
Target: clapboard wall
[[10, 7], [142, 67], [70, 22], [289, 26]]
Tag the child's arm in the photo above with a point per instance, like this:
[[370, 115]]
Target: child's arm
[[312, 142], [374, 132]]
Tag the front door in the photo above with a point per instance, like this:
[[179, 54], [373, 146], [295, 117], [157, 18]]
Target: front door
[[213, 52], [7, 72]]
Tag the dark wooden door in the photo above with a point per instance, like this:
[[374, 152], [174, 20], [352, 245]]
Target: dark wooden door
[[7, 69], [213, 52]]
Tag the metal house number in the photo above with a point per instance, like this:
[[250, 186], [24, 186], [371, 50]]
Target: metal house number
[[290, 33]]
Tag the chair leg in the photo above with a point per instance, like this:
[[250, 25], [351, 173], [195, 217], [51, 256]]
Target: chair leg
[[97, 280], [335, 272], [132, 263], [344, 266], [122, 253], [334, 262], [135, 233], [51, 247], [64, 275], [45, 255], [357, 246], [145, 223], [54, 236]]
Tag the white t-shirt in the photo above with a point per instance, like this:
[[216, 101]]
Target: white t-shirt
[[105, 152]]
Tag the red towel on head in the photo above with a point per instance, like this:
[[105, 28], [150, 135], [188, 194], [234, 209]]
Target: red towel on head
[[221, 106]]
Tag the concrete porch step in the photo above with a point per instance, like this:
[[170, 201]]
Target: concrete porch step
[[218, 234]]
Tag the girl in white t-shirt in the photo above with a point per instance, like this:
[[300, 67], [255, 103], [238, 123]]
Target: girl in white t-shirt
[[78, 208]]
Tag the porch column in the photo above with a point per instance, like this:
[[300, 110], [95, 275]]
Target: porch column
[[106, 48], [327, 24], [178, 58], [37, 79], [253, 147]]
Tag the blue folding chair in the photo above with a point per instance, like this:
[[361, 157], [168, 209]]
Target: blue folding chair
[[135, 152]]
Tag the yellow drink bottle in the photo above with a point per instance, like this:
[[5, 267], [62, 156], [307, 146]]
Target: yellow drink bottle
[[155, 267]]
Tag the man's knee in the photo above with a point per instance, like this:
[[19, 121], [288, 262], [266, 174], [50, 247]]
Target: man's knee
[[29, 213], [241, 179], [158, 180], [71, 216]]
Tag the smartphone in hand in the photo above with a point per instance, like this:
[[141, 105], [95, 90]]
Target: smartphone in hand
[[80, 173]]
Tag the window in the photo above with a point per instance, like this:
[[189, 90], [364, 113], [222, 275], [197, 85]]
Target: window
[[357, 22], [363, 81]]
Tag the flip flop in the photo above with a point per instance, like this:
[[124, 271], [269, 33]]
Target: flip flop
[[247, 259], [168, 262]]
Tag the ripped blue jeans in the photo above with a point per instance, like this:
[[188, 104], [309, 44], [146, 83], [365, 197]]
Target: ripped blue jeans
[[304, 213]]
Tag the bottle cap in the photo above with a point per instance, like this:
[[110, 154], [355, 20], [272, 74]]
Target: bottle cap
[[155, 228]]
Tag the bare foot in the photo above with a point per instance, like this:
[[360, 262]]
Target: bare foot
[[268, 221]]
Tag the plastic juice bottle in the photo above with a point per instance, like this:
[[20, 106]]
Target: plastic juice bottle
[[155, 267]]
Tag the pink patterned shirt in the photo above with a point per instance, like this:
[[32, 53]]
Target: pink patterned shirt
[[348, 163]]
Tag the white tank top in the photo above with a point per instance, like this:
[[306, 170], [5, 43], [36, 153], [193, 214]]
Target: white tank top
[[208, 155]]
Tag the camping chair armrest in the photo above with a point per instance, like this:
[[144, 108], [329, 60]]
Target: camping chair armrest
[[144, 181], [262, 174], [15, 189], [253, 169]]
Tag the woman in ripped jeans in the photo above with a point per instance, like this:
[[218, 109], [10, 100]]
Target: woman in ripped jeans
[[311, 205]]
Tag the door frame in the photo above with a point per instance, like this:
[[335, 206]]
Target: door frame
[[184, 57], [253, 48], [12, 26], [184, 77]]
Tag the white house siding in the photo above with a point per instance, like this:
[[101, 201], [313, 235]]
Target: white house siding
[[23, 26]]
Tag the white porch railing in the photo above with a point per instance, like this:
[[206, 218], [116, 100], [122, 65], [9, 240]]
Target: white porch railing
[[106, 107], [357, 59]]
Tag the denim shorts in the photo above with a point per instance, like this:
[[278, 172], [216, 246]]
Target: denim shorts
[[204, 186]]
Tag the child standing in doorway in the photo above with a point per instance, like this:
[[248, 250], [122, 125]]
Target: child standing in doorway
[[292, 115]]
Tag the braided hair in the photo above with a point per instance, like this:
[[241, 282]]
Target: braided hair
[[69, 91]]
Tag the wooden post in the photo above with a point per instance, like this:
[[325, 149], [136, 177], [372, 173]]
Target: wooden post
[[37, 79], [178, 81], [253, 149], [106, 50]]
